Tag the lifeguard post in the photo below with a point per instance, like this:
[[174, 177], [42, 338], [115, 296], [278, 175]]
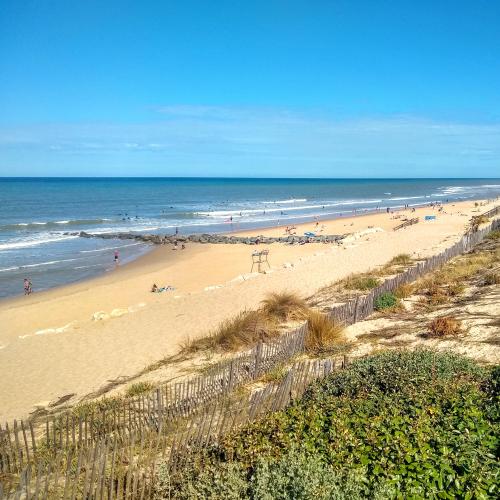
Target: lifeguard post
[[259, 258]]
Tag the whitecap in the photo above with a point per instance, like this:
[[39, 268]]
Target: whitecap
[[13, 244], [111, 248]]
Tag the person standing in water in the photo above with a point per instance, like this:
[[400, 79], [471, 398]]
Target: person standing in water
[[117, 256], [28, 287]]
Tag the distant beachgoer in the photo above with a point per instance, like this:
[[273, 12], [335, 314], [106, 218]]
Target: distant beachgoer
[[28, 287], [183, 247], [117, 256], [387, 209], [154, 288], [176, 231]]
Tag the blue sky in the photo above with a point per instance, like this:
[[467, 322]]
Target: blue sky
[[261, 88]]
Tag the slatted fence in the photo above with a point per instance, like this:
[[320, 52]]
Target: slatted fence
[[175, 418], [407, 223]]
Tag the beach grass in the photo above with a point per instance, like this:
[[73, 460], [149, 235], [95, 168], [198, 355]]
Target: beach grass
[[284, 306], [322, 333]]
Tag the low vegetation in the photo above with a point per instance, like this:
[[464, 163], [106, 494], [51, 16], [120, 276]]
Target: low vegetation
[[139, 388], [494, 235], [244, 330], [492, 279], [451, 280], [404, 291], [322, 333], [361, 282], [444, 326], [276, 374], [395, 425], [402, 259], [284, 306], [385, 301]]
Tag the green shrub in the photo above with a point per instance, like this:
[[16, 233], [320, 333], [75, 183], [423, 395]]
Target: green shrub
[[385, 301], [302, 477], [212, 482], [396, 425]]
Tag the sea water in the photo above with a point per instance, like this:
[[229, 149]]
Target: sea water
[[36, 213]]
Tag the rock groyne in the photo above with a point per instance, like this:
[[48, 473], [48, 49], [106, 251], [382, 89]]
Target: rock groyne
[[158, 239]]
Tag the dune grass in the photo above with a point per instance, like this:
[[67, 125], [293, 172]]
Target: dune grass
[[452, 279], [322, 332], [284, 306], [139, 388], [402, 259], [361, 282], [404, 291], [243, 330]]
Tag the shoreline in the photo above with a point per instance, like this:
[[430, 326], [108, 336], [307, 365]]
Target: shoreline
[[269, 231], [76, 338]]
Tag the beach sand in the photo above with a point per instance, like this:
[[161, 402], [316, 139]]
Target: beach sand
[[77, 338]]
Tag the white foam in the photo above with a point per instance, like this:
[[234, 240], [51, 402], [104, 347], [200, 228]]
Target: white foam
[[111, 248], [34, 242], [8, 269], [282, 202], [49, 263], [228, 213]]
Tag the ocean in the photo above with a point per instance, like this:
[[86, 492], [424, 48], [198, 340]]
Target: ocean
[[36, 212]]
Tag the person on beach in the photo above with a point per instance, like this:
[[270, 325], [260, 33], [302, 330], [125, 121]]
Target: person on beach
[[117, 256], [28, 287]]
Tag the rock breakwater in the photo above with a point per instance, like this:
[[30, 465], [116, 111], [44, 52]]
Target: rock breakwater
[[158, 239]]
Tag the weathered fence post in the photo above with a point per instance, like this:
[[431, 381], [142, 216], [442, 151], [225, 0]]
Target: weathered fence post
[[258, 358], [356, 310]]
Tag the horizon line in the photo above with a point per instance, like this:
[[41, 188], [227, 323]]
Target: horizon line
[[236, 177]]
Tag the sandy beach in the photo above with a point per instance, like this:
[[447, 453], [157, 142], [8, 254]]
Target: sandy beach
[[75, 339]]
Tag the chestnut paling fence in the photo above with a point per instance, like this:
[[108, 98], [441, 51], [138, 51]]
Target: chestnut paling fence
[[112, 450]]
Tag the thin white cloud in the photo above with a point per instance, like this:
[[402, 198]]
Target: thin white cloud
[[264, 141]]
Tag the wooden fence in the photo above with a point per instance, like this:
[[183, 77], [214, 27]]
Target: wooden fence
[[122, 466], [33, 456], [407, 223]]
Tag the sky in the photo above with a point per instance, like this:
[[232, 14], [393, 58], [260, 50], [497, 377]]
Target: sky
[[372, 88]]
